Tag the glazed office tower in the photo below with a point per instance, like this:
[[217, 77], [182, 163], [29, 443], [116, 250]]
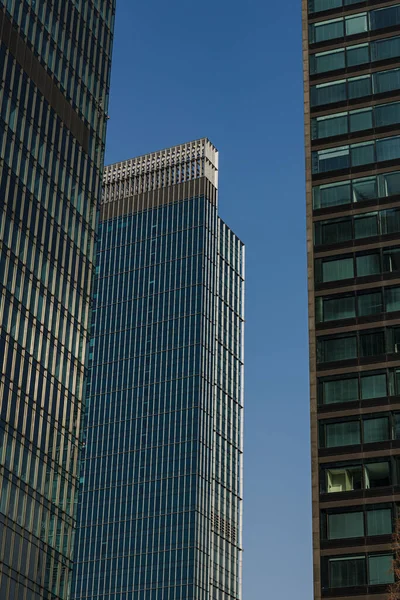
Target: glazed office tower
[[160, 504], [55, 67], [352, 130]]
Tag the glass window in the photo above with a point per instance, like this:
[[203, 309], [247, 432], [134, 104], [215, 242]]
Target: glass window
[[396, 424], [331, 159], [345, 525], [321, 62], [387, 114], [322, 5], [390, 183], [386, 81], [356, 24], [344, 479], [388, 148], [360, 119], [377, 475], [362, 154], [327, 30], [390, 220], [340, 390], [342, 434], [358, 87], [385, 17], [336, 349], [373, 386], [365, 188], [369, 304], [357, 55], [368, 264], [372, 343], [339, 308], [366, 225], [376, 430], [338, 269], [392, 296], [379, 521], [391, 260], [380, 569], [332, 194], [326, 93], [347, 572], [333, 231], [323, 127], [384, 49]]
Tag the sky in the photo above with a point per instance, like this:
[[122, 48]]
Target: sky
[[233, 73]]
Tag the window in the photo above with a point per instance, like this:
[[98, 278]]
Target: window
[[379, 521], [390, 183], [372, 343], [334, 270], [366, 225], [388, 149], [387, 114], [385, 17], [358, 87], [327, 30], [326, 93], [377, 475], [336, 349], [322, 62], [361, 119], [333, 309], [376, 430], [391, 260], [331, 125], [369, 304], [386, 81], [339, 390], [362, 154], [392, 296], [368, 264], [345, 525], [385, 49], [345, 479], [332, 194], [373, 386], [342, 434], [322, 5], [347, 571], [365, 189], [331, 159], [391, 221], [380, 569], [357, 55], [356, 24], [333, 231]]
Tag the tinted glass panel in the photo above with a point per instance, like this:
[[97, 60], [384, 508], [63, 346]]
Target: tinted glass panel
[[366, 225], [376, 430], [384, 49], [358, 87], [342, 434], [365, 189], [373, 386], [328, 30], [392, 296], [387, 114], [322, 5], [357, 55], [347, 572], [332, 194], [329, 126], [388, 149], [333, 232], [362, 154], [334, 270], [391, 182], [385, 17], [368, 264], [345, 525], [327, 61], [356, 24], [370, 304], [386, 81], [328, 93], [390, 220], [391, 260], [361, 119], [336, 349], [342, 308], [379, 521], [380, 569], [372, 344], [342, 390]]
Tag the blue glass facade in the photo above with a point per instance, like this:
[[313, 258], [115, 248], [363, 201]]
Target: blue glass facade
[[54, 81], [160, 504]]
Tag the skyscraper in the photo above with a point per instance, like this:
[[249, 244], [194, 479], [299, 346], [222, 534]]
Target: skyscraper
[[55, 68], [352, 131], [160, 502]]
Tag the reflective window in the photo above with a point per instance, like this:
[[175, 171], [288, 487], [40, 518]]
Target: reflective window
[[336, 348], [376, 430], [373, 386], [334, 270], [356, 24], [347, 572], [345, 525], [379, 521], [356, 190], [342, 434], [332, 60], [380, 569], [339, 390], [327, 30]]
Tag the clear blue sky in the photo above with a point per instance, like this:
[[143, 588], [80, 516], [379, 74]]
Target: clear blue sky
[[233, 73]]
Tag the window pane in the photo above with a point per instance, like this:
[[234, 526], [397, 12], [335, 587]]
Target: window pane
[[390, 220], [385, 17], [391, 260], [379, 521], [347, 572], [327, 30], [365, 189], [342, 434], [370, 304], [327, 93], [396, 432], [373, 386], [377, 475], [380, 569], [323, 127], [341, 390], [362, 154], [320, 5], [356, 24], [361, 119], [388, 148], [331, 159], [340, 308], [384, 49], [347, 525], [386, 81], [333, 231], [391, 183], [387, 114], [376, 430], [392, 296], [357, 55], [344, 479], [327, 61], [368, 264], [358, 87], [366, 225], [332, 194], [335, 270], [335, 349], [372, 344]]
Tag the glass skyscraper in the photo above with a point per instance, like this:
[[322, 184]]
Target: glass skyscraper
[[55, 68], [159, 507], [352, 120]]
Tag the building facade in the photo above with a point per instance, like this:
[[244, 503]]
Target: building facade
[[160, 502], [352, 133], [55, 67]]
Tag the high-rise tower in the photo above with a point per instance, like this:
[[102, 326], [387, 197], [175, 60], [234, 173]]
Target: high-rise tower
[[55, 67], [160, 502], [352, 131]]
